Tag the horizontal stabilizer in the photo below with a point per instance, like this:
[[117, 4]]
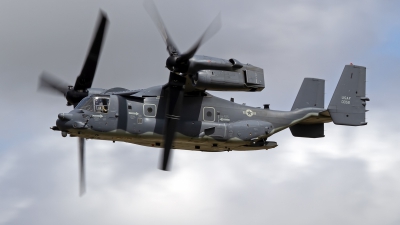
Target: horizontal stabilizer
[[347, 106]]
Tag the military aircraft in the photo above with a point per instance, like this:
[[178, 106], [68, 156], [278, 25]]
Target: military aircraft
[[181, 114]]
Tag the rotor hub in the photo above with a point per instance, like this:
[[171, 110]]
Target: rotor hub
[[171, 62]]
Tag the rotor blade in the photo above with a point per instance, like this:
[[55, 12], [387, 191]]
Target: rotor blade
[[211, 30], [174, 97], [51, 83], [82, 186], [85, 79], [151, 9]]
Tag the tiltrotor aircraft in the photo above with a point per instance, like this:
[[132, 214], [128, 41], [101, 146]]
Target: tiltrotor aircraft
[[181, 114]]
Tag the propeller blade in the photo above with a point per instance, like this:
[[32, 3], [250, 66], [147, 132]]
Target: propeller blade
[[211, 30], [85, 79], [48, 82], [174, 97], [82, 185], [155, 16]]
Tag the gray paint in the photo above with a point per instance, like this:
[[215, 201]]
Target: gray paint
[[311, 94], [347, 106], [208, 123]]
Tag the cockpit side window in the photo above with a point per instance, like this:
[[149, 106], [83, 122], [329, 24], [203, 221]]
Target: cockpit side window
[[101, 104], [86, 104]]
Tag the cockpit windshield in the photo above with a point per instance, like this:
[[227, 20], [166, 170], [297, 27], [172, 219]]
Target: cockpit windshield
[[82, 102], [97, 104]]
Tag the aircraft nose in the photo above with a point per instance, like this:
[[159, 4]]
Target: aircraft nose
[[68, 121], [65, 116], [63, 125]]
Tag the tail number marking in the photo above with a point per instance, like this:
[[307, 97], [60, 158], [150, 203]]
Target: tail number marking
[[345, 100]]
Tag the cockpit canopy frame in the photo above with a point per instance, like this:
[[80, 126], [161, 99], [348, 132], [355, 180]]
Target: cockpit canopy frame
[[95, 103]]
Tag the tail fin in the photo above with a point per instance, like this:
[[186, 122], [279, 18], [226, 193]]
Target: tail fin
[[347, 106], [311, 94]]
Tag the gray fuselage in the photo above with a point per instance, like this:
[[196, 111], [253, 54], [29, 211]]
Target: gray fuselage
[[207, 123]]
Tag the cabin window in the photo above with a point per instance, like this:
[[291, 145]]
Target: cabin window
[[101, 104], [209, 114], [149, 110]]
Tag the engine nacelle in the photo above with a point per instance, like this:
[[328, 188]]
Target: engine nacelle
[[243, 79]]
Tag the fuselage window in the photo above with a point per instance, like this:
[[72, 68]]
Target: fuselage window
[[149, 110], [101, 104], [209, 114]]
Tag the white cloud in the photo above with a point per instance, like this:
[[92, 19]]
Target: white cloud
[[348, 177]]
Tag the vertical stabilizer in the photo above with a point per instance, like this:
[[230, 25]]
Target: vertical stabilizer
[[347, 106], [311, 94]]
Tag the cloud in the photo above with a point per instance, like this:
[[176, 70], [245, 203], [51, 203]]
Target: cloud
[[348, 177], [310, 179]]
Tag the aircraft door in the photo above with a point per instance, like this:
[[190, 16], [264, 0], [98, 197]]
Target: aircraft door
[[104, 114], [112, 116], [113, 111], [135, 117]]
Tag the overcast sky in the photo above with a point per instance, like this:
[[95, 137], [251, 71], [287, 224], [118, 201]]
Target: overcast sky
[[349, 177]]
